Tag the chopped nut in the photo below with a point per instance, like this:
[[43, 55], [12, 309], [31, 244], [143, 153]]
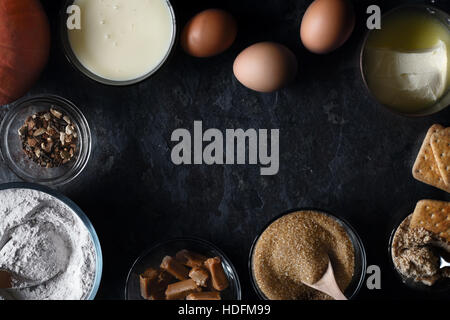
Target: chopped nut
[[32, 142], [47, 148], [39, 132], [65, 155], [30, 124], [66, 119], [51, 131], [69, 130], [49, 138], [23, 130], [62, 137], [56, 113]]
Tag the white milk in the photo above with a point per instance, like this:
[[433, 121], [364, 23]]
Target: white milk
[[122, 40]]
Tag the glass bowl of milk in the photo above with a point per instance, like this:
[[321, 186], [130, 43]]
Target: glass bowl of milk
[[118, 42], [406, 64]]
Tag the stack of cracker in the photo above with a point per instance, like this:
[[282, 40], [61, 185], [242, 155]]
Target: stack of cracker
[[432, 165], [434, 216]]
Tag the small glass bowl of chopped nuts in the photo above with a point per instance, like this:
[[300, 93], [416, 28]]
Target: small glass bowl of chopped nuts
[[45, 139]]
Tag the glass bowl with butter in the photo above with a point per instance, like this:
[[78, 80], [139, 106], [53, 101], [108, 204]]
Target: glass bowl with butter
[[118, 42], [405, 65]]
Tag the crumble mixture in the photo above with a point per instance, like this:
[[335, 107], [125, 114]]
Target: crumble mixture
[[414, 254]]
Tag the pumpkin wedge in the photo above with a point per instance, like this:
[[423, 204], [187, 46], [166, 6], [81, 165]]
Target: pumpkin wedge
[[24, 46]]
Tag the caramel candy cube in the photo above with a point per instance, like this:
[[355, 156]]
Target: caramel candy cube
[[190, 259], [218, 276], [174, 268], [165, 277], [179, 290], [153, 283], [213, 295], [200, 276], [147, 280]]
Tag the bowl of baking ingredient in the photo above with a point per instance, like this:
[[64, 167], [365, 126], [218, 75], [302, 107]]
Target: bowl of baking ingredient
[[118, 42], [413, 253], [52, 243], [296, 246], [176, 252], [405, 65], [45, 139]]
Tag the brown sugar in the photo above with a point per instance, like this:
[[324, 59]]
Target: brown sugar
[[295, 249]]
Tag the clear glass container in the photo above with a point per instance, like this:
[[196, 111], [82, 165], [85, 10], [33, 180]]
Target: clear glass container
[[360, 255], [444, 101], [84, 219], [152, 258], [440, 287], [70, 55], [11, 145]]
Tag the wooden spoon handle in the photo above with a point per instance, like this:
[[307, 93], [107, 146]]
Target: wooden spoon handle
[[327, 284], [5, 280], [334, 291]]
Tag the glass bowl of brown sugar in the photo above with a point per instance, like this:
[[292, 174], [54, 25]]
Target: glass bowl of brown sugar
[[296, 246]]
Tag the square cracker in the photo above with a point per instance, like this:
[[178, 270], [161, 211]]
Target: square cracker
[[440, 144], [433, 216], [425, 168]]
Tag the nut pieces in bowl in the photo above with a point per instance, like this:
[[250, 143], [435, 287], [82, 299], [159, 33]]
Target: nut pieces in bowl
[[49, 138]]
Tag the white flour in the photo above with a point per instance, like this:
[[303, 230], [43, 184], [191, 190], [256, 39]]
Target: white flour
[[48, 243]]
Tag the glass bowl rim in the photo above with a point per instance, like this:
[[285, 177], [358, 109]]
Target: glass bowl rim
[[64, 104], [343, 222], [185, 239], [74, 62], [421, 113], [80, 213]]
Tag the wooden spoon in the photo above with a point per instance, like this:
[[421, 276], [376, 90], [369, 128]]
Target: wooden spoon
[[327, 284], [5, 279], [9, 280]]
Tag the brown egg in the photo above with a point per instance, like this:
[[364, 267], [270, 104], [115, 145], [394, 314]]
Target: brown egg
[[265, 66], [209, 33], [327, 24]]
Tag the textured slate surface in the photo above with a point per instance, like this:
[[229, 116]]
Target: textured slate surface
[[338, 149]]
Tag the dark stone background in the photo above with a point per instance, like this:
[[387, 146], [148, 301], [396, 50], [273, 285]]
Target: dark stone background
[[339, 150]]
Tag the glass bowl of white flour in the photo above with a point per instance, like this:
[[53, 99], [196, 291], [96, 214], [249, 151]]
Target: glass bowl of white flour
[[46, 239]]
